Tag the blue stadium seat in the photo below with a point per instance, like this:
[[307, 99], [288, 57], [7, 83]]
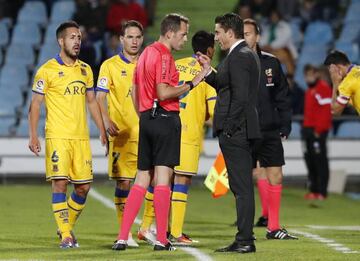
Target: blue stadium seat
[[62, 11], [350, 31], [20, 53], [313, 53], [295, 130], [296, 33], [33, 12], [351, 50], [13, 75], [4, 35], [23, 128], [10, 99], [7, 126], [318, 33], [47, 52], [50, 34], [350, 129], [299, 75], [352, 13], [28, 33], [1, 58]]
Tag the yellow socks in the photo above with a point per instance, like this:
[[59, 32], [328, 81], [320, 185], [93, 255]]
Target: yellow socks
[[120, 200], [61, 213], [178, 208], [76, 204], [149, 212]]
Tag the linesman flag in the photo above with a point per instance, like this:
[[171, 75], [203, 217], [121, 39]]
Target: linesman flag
[[217, 179]]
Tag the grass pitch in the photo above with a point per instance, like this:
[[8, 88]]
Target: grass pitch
[[28, 228]]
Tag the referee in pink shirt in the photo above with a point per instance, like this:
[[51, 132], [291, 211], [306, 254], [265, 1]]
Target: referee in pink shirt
[[155, 94]]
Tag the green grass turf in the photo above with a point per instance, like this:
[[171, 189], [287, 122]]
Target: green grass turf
[[27, 228], [201, 13]]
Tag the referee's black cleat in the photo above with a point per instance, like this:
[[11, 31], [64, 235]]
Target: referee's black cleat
[[281, 234], [119, 245], [160, 247], [237, 247], [262, 222]]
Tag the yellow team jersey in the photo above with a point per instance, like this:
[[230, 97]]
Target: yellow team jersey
[[197, 105], [65, 90], [115, 78], [349, 88]]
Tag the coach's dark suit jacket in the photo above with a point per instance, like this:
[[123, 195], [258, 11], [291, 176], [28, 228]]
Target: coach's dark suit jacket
[[236, 124], [237, 82]]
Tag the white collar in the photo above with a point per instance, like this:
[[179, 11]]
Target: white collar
[[235, 44]]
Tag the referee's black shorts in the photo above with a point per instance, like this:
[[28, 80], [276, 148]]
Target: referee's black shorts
[[159, 140], [268, 150]]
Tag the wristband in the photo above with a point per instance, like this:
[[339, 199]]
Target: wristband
[[191, 84]]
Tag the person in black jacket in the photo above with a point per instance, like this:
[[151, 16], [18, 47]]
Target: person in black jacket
[[274, 107], [236, 120]]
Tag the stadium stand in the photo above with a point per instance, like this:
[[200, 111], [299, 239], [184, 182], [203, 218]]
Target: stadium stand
[[350, 129], [20, 53], [26, 33], [33, 12], [4, 34]]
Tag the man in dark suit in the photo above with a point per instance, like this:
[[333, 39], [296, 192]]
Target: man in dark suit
[[236, 120]]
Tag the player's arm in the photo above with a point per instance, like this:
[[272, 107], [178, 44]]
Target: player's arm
[[33, 117], [134, 98], [96, 115], [110, 126], [337, 103]]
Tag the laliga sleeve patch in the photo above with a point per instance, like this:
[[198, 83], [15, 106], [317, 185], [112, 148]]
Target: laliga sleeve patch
[[40, 85], [103, 81]]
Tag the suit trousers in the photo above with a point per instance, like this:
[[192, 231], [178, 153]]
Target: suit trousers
[[238, 160]]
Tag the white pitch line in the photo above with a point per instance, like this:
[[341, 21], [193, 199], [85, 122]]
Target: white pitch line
[[346, 228], [329, 242], [201, 256]]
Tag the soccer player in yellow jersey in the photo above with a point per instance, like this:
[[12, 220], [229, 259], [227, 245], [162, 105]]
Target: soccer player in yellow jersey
[[346, 82], [120, 119], [196, 107], [65, 84]]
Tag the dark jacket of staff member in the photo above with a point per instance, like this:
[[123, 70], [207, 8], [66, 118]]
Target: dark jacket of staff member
[[236, 120]]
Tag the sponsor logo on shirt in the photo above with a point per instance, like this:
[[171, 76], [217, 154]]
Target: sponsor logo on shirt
[[75, 88], [269, 77]]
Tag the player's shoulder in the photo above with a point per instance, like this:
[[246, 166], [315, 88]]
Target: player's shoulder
[[269, 56], [84, 64], [187, 61], [111, 60], [46, 66]]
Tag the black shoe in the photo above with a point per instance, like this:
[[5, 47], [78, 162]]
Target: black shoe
[[262, 222], [281, 234], [160, 247], [238, 248], [119, 245]]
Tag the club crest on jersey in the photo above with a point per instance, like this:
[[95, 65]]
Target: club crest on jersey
[[83, 72], [55, 168], [123, 73], [61, 74], [192, 63]]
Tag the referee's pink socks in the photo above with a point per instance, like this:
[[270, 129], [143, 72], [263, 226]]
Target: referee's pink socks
[[132, 207], [162, 206], [274, 206], [263, 185]]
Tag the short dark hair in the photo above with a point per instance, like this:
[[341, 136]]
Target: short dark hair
[[309, 67], [231, 21], [131, 23], [202, 40], [172, 22], [62, 27], [336, 57], [253, 23]]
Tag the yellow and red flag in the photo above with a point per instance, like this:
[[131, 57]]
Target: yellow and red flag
[[217, 179]]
